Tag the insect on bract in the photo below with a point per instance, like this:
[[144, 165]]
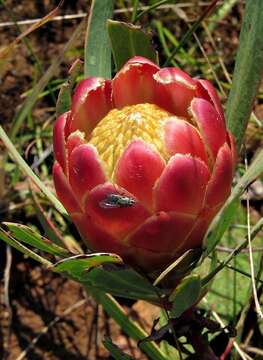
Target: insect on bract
[[116, 201]]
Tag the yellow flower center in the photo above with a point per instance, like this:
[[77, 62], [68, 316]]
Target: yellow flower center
[[119, 127]]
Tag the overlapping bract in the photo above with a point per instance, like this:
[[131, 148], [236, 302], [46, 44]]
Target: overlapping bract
[[174, 182]]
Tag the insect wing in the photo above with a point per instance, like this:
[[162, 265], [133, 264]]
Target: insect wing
[[106, 204]]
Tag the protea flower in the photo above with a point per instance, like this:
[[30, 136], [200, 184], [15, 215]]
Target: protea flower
[[143, 162]]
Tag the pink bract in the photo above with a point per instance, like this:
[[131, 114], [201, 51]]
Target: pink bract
[[149, 189]]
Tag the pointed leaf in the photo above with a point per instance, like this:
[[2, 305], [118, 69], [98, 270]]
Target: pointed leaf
[[127, 41], [122, 281], [97, 47], [64, 97], [185, 295], [8, 239], [77, 266], [29, 236]]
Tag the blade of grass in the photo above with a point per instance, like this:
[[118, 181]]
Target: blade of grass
[[151, 7], [222, 12], [191, 31], [28, 172], [26, 42], [31, 100], [97, 48], [210, 66], [6, 51], [159, 27], [248, 70], [114, 310], [251, 262], [187, 57], [135, 9], [237, 270], [224, 328], [254, 231]]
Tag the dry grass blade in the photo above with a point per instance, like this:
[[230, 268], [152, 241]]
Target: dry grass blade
[[191, 30], [254, 288], [30, 101], [241, 353], [6, 295], [6, 51], [28, 171]]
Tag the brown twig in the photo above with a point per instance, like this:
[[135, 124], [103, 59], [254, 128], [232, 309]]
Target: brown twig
[[7, 299]]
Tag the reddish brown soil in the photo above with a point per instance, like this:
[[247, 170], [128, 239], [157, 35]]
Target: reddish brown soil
[[52, 318]]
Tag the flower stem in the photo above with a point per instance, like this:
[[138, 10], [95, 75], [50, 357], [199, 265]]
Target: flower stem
[[202, 349]]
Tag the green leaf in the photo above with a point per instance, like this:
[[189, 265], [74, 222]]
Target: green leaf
[[122, 281], [117, 280], [185, 295], [97, 47], [131, 328], [64, 97], [76, 266], [115, 351], [224, 218], [29, 236], [128, 40], [8, 239], [248, 70], [219, 226]]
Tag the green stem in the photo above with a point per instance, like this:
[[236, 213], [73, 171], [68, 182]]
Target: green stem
[[151, 7]]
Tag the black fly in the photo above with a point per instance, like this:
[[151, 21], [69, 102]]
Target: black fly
[[116, 201]]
